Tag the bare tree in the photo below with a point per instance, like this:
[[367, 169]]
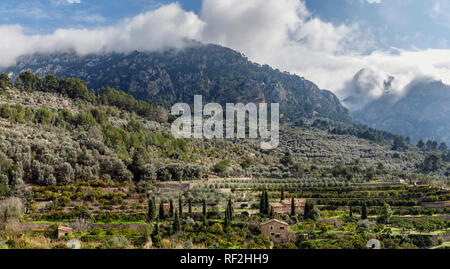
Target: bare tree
[[81, 223]]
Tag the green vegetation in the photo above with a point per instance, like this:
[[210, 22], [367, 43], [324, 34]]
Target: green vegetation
[[106, 165]]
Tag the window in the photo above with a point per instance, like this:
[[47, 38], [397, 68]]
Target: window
[[281, 228], [271, 234], [271, 227], [277, 235]]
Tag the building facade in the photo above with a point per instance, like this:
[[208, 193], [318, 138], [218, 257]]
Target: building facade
[[276, 230], [63, 231], [284, 207]]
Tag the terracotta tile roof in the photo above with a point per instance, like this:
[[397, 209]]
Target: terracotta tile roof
[[298, 201], [275, 220], [64, 229], [275, 205]]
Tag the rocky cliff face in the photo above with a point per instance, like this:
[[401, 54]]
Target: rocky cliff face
[[164, 78]]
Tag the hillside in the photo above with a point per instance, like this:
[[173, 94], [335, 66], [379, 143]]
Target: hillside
[[165, 78], [57, 134], [98, 162]]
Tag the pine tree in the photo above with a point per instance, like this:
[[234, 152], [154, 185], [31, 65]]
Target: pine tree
[[364, 211], [421, 144], [176, 223], [292, 207]]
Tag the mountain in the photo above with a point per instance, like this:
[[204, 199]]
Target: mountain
[[423, 112], [165, 78], [365, 87]]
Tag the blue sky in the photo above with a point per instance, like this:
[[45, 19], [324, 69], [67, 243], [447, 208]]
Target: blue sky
[[44, 16], [399, 23], [405, 24]]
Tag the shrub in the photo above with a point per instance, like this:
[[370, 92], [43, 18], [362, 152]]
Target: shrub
[[118, 242], [11, 208], [221, 167]]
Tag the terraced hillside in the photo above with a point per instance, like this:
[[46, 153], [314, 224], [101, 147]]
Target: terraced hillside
[[102, 162]]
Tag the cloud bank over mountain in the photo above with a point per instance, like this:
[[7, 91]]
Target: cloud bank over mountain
[[154, 30], [281, 33]]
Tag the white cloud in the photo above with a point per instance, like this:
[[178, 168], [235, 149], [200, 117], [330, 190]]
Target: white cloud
[[374, 1], [281, 33], [285, 35], [290, 39], [74, 1], [154, 30]]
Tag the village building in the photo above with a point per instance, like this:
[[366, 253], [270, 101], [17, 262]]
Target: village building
[[166, 207], [284, 207], [63, 231], [276, 230]]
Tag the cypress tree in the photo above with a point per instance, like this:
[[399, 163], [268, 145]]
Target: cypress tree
[[386, 214], [162, 215], [261, 203], [227, 218], [264, 206], [180, 205], [272, 213], [205, 218], [171, 209], [151, 215], [308, 209], [282, 195], [351, 211], [156, 237], [364, 211], [190, 206], [292, 207], [230, 209], [176, 223]]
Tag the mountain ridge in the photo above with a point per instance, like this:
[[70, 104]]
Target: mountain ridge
[[422, 112], [163, 78]]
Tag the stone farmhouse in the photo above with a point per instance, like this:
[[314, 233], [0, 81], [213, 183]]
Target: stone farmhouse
[[284, 207], [276, 230], [63, 231]]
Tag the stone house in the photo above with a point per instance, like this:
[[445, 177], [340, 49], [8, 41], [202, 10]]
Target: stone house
[[276, 230], [284, 207], [166, 207], [63, 231]]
